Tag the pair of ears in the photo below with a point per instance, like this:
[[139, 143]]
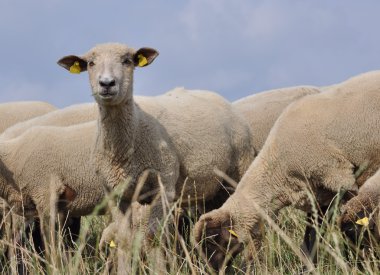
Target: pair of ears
[[76, 64]]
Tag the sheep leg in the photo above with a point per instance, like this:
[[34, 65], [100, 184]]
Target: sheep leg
[[71, 231], [310, 243], [156, 216]]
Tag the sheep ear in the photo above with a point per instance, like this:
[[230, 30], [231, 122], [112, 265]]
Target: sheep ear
[[73, 64], [144, 56]]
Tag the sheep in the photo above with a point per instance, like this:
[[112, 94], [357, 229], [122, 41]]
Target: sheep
[[261, 110], [14, 112], [23, 111], [362, 212], [315, 147], [49, 166], [74, 114], [176, 136], [50, 160]]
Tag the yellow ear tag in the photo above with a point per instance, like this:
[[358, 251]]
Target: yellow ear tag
[[233, 233], [75, 68], [112, 244], [142, 60], [364, 221]]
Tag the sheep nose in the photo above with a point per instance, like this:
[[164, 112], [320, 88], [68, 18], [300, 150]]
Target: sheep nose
[[107, 82]]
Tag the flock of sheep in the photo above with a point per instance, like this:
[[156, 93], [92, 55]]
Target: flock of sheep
[[297, 146]]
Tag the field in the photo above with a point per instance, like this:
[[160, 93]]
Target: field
[[280, 253]]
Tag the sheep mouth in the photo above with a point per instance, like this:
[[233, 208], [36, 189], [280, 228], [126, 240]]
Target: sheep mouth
[[107, 94]]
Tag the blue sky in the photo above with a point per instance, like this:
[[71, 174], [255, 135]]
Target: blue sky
[[233, 47]]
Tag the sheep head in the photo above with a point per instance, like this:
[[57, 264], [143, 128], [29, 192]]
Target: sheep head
[[110, 68], [359, 221], [219, 242]]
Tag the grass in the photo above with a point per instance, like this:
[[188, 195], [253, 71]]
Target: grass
[[173, 254]]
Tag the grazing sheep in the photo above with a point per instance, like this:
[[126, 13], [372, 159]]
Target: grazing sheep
[[14, 112], [176, 136], [262, 110], [362, 212], [315, 147]]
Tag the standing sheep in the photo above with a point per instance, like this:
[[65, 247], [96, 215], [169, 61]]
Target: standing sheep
[[315, 147], [260, 111], [177, 136]]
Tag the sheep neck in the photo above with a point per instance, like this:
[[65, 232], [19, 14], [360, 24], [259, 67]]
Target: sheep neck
[[260, 191], [117, 129]]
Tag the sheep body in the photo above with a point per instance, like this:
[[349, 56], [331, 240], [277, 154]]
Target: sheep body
[[61, 117], [15, 112], [314, 147], [74, 114], [261, 110], [200, 125], [47, 160]]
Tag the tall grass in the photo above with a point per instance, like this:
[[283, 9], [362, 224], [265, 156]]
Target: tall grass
[[177, 254]]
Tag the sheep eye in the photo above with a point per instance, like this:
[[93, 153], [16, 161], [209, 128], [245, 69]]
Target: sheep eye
[[91, 63], [127, 61]]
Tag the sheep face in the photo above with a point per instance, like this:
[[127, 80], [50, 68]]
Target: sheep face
[[110, 68], [220, 243]]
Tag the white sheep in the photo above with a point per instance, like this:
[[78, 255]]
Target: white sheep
[[71, 115], [14, 112], [47, 160], [261, 110], [29, 114], [177, 136], [315, 147]]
